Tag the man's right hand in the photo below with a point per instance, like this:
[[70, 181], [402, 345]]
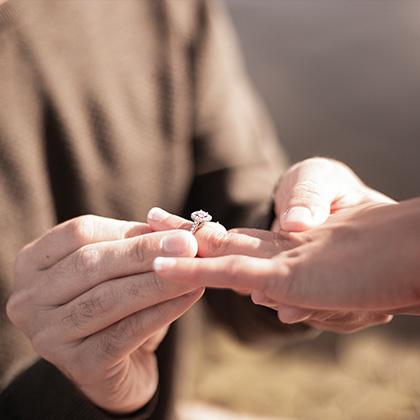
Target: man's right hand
[[87, 298]]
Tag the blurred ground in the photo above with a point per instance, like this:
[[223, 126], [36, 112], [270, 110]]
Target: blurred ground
[[341, 79], [365, 376], [200, 411]]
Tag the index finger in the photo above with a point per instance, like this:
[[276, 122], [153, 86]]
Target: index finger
[[65, 238], [235, 272]]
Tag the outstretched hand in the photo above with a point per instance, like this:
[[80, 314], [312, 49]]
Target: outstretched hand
[[342, 272], [308, 194]]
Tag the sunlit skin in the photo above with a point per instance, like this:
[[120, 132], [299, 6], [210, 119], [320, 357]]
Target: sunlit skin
[[343, 275], [105, 311], [86, 297]]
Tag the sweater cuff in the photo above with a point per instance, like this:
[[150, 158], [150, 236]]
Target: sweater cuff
[[43, 392]]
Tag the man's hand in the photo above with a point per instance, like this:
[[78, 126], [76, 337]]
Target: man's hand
[[87, 298], [346, 273]]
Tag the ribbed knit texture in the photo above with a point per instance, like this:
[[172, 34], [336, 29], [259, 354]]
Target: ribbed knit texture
[[112, 107]]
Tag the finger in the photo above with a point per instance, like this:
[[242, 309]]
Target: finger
[[65, 238], [235, 272], [306, 193], [112, 301], [406, 310], [214, 241], [287, 314], [351, 318], [96, 263], [259, 298], [275, 227], [127, 335], [265, 235], [376, 196], [347, 328], [137, 230]]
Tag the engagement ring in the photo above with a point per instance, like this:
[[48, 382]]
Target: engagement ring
[[199, 218]]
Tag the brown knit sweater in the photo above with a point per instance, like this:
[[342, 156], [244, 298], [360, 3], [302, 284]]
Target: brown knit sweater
[[112, 107]]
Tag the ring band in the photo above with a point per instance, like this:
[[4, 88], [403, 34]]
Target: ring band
[[199, 218]]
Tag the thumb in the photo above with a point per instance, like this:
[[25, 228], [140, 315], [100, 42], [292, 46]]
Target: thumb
[[305, 205], [304, 197]]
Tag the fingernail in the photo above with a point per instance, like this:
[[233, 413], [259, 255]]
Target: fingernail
[[293, 315], [260, 298], [157, 214], [162, 263], [298, 215], [178, 243], [194, 292]]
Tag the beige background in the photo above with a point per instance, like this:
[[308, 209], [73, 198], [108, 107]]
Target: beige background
[[341, 78]]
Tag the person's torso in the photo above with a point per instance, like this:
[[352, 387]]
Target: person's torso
[[96, 103]]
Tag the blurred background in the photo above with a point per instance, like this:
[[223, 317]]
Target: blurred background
[[341, 78]]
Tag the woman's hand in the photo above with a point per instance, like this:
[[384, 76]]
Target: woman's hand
[[349, 273], [306, 196]]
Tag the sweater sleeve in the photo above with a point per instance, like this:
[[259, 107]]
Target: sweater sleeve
[[238, 161], [42, 391]]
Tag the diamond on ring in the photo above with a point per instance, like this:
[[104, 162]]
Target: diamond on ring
[[199, 218]]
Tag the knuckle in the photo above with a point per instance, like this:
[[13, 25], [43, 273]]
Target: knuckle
[[116, 339], [134, 289], [13, 306], [154, 284], [60, 269], [72, 319], [104, 299], [17, 306], [139, 250], [97, 304], [86, 260], [82, 228]]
